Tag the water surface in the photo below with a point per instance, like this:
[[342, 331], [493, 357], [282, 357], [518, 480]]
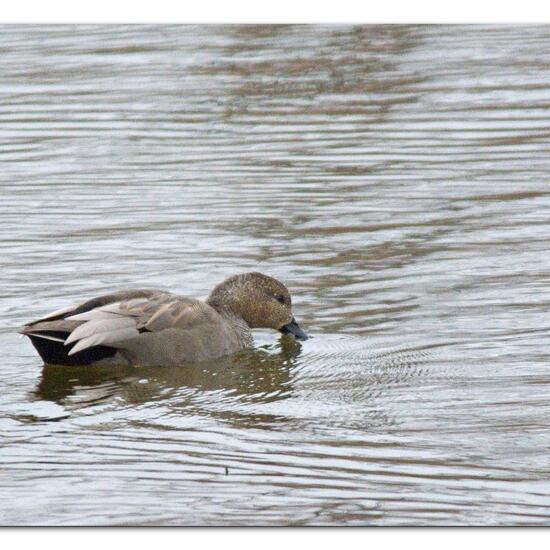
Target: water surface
[[394, 177]]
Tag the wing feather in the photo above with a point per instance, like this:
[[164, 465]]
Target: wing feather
[[117, 318], [57, 314], [100, 326], [104, 338]]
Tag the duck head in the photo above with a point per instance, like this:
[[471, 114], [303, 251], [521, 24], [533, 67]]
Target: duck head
[[261, 301]]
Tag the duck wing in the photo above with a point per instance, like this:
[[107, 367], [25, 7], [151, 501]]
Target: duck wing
[[116, 318]]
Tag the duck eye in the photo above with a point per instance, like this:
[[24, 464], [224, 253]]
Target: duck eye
[[280, 298]]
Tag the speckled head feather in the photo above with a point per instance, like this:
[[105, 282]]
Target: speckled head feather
[[261, 301]]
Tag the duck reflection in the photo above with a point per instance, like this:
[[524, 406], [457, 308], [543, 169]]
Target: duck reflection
[[258, 375]]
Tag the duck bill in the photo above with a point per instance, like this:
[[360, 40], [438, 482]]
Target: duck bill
[[294, 329]]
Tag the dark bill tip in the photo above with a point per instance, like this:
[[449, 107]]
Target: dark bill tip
[[294, 329]]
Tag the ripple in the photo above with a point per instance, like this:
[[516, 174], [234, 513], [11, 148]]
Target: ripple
[[393, 176]]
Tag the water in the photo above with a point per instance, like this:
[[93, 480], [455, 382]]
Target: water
[[395, 178]]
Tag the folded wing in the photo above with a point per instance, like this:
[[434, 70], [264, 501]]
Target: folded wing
[[116, 318]]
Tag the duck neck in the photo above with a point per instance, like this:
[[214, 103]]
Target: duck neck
[[225, 311], [242, 330]]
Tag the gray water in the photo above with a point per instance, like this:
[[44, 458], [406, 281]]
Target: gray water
[[395, 178]]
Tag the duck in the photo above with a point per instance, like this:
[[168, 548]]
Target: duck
[[149, 327]]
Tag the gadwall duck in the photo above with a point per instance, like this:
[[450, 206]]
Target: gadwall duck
[[155, 328]]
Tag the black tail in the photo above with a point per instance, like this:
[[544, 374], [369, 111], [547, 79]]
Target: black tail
[[54, 352]]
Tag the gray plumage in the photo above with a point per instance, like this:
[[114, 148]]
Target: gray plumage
[[153, 327]]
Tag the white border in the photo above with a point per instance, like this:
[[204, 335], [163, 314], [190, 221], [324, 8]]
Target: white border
[[264, 539], [280, 11]]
